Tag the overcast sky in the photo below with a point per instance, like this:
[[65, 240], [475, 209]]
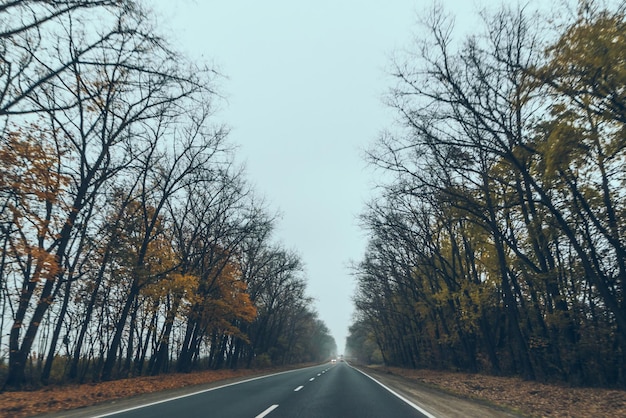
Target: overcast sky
[[304, 88]]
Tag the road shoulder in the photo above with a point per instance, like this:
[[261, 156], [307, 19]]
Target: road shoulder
[[436, 401]]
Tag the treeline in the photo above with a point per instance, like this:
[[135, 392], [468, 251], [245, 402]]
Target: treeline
[[498, 244], [131, 242]]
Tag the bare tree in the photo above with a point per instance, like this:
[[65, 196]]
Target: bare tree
[[30, 60], [510, 156], [99, 112], [182, 157]]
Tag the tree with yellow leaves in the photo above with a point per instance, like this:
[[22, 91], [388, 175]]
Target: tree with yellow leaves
[[218, 302], [31, 186], [500, 243], [103, 95]]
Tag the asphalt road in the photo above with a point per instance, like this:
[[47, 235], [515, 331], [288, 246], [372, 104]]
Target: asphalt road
[[330, 390]]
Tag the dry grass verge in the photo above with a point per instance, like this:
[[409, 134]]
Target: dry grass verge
[[531, 398]]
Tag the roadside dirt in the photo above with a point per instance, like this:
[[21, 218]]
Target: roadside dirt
[[437, 402], [473, 395], [443, 394]]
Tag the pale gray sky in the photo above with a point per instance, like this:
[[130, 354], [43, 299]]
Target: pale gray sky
[[304, 89]]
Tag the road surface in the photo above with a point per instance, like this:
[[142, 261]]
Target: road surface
[[329, 390]]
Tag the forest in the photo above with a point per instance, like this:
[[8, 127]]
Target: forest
[[497, 243], [131, 241]]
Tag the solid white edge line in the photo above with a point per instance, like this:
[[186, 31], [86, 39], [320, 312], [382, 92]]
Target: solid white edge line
[[267, 411], [412, 404], [121, 411], [298, 388]]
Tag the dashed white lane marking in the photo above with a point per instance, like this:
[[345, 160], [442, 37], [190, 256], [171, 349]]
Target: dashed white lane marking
[[311, 379], [267, 411], [108, 414], [319, 374], [298, 388]]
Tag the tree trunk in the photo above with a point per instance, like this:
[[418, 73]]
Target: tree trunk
[[45, 374], [109, 364]]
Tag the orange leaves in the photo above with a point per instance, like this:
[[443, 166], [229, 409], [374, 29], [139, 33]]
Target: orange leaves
[[47, 266], [228, 299], [224, 304], [235, 301], [31, 185], [143, 245], [30, 178], [179, 286], [30, 165]]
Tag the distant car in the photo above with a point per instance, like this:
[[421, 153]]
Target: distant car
[[334, 360]]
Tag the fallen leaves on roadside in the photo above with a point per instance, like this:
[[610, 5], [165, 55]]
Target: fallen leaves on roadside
[[531, 398], [59, 398]]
